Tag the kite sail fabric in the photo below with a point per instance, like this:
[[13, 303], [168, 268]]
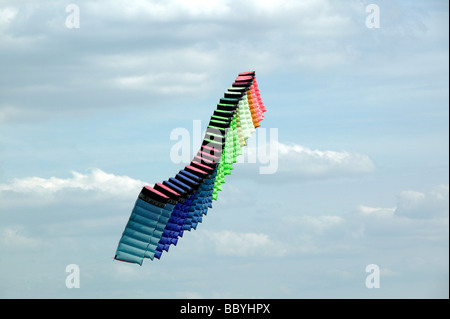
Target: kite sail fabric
[[162, 213]]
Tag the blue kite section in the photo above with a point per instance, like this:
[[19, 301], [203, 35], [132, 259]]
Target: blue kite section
[[158, 220]]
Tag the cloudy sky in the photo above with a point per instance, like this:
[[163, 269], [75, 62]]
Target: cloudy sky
[[358, 119]]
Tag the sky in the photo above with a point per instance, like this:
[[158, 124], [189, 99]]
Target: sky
[[356, 128]]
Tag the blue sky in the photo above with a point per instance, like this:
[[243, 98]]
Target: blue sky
[[362, 116]]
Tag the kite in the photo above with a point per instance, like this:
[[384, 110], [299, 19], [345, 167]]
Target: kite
[[163, 212]]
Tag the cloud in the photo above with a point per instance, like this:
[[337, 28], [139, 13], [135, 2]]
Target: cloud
[[375, 212], [318, 225], [418, 217], [165, 83], [95, 182], [166, 11], [242, 244], [317, 235], [434, 204], [304, 161], [14, 239], [290, 161], [7, 15], [90, 205], [369, 227], [11, 113], [189, 44]]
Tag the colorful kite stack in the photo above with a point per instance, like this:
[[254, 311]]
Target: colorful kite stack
[[163, 212]]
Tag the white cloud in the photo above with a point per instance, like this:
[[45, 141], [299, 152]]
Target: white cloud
[[96, 180], [8, 113], [434, 204], [305, 161], [166, 11], [418, 218], [412, 205], [180, 39], [293, 161], [221, 10], [316, 224], [377, 212], [375, 227], [232, 243], [165, 83], [317, 235], [14, 239], [7, 15]]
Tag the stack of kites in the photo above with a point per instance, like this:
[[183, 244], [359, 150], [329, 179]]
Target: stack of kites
[[163, 212]]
